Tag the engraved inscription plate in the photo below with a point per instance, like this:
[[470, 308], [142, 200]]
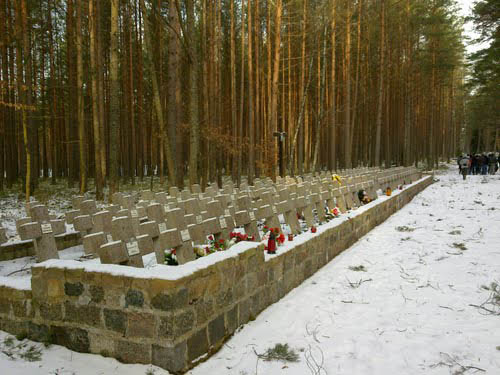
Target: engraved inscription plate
[[133, 248], [185, 235], [46, 228], [223, 223]]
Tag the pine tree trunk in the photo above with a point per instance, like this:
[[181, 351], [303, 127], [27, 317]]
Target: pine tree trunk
[[114, 119], [234, 125], [257, 116], [193, 115], [24, 83], [95, 105], [356, 83], [333, 124], [100, 87], [143, 149], [173, 105], [347, 94], [82, 151], [275, 88], [378, 135], [156, 99], [322, 83], [251, 125], [242, 98]]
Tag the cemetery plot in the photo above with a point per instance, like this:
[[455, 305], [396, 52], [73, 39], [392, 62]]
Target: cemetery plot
[[150, 228]]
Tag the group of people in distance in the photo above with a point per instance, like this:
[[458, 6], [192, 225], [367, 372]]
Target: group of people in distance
[[478, 164]]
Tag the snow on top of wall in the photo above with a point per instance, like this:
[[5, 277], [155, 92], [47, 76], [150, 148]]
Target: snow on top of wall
[[20, 283], [158, 271]]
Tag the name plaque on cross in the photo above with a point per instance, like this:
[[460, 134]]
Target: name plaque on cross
[[46, 228], [227, 212], [252, 215], [109, 238], [132, 248], [223, 223], [162, 227], [275, 211], [134, 213], [185, 235], [199, 219]]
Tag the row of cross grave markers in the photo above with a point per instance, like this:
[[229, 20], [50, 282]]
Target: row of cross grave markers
[[154, 222]]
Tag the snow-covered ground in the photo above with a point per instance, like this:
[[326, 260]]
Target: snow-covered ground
[[57, 360], [411, 312], [412, 307]]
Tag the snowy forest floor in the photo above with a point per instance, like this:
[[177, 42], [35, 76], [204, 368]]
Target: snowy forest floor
[[418, 295]]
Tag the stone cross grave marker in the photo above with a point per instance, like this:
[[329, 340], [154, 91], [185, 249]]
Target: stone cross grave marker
[[98, 229], [83, 224], [248, 221], [41, 232], [269, 214], [102, 221], [180, 242], [339, 199], [347, 197], [176, 220], [287, 209], [317, 203], [40, 214], [88, 207], [194, 214], [93, 241], [147, 195], [304, 206], [127, 248], [151, 228], [161, 197], [196, 189], [216, 210], [173, 191], [76, 201]]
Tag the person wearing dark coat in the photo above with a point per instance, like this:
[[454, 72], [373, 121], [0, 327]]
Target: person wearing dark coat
[[492, 163], [474, 164]]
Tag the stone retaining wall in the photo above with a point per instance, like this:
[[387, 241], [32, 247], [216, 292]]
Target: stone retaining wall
[[173, 323]]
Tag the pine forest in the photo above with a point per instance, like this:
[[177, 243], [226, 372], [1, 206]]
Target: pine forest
[[99, 93]]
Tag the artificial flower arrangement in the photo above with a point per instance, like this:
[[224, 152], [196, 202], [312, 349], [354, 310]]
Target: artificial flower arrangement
[[331, 214], [171, 258], [215, 245], [236, 237]]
